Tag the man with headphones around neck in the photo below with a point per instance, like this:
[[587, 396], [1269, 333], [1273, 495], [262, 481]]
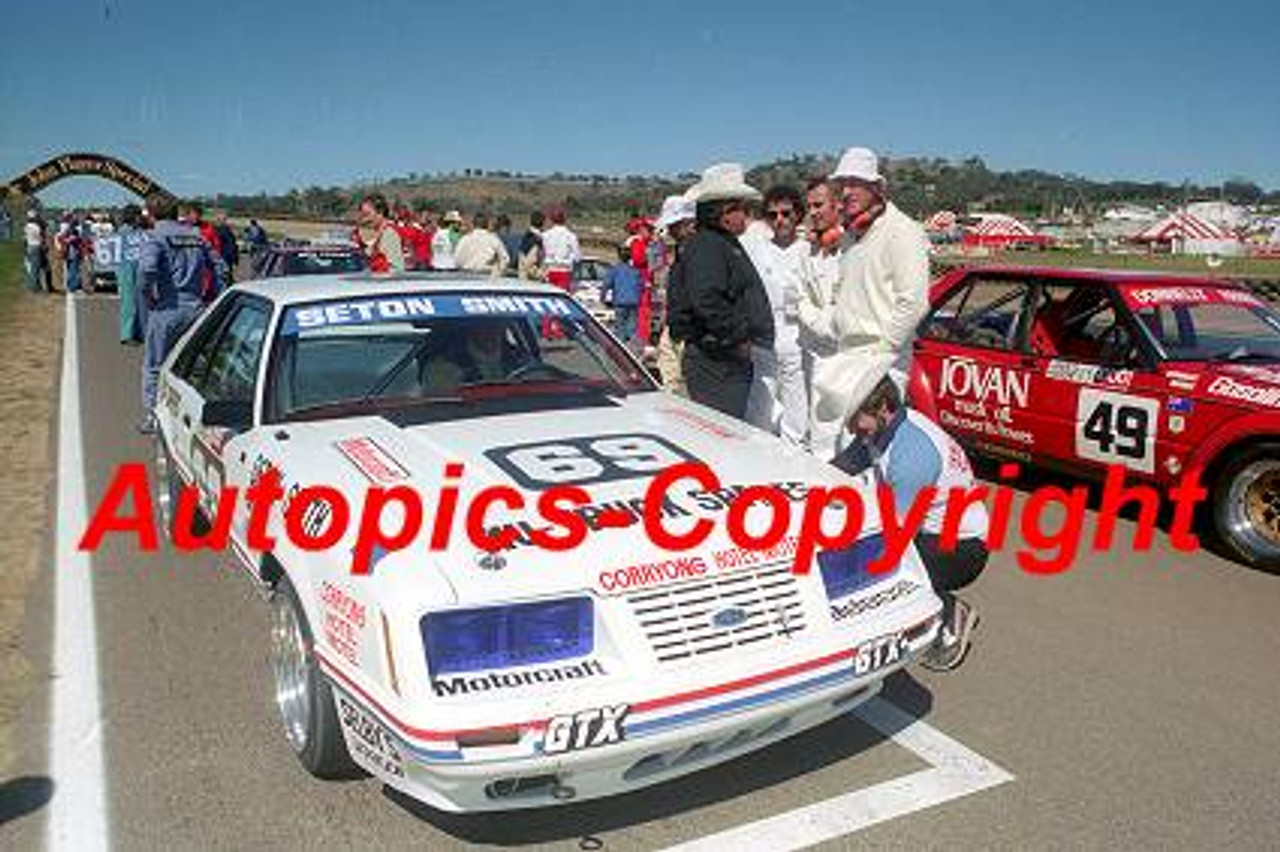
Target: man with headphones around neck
[[882, 293]]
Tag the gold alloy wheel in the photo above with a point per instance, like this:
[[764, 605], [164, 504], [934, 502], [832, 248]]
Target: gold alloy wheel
[[1262, 504]]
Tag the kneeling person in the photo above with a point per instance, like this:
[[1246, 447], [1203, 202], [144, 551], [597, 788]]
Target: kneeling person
[[911, 452]]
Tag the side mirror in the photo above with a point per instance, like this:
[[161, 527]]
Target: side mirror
[[234, 414]]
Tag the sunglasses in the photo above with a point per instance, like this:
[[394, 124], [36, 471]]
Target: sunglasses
[[780, 214]]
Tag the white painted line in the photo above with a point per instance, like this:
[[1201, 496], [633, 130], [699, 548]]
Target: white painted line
[[956, 771], [78, 810]]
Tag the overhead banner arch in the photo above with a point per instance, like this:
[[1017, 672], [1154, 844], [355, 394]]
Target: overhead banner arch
[[90, 165]]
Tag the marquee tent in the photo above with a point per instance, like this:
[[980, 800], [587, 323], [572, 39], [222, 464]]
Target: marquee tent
[[997, 230], [1185, 233]]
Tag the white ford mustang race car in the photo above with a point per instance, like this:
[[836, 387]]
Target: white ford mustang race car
[[473, 667]]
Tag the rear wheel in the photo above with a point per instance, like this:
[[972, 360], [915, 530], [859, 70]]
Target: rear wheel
[[1246, 506], [303, 695]]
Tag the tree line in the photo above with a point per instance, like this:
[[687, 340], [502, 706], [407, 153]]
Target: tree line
[[919, 185]]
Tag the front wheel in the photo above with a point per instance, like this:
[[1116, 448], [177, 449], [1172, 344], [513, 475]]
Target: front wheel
[[303, 696], [1246, 506]]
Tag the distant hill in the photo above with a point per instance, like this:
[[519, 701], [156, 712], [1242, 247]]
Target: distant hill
[[919, 185]]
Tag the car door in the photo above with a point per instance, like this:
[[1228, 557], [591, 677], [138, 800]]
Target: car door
[[216, 391], [1100, 390], [971, 374]]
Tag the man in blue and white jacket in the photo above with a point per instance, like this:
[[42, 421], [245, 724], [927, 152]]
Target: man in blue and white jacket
[[910, 452]]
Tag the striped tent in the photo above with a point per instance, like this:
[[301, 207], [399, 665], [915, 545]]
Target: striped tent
[[943, 220], [1000, 229], [1182, 226]]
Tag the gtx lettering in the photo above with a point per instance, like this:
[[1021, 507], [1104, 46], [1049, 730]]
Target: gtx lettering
[[586, 729]]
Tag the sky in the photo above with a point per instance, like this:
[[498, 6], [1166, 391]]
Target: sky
[[246, 96]]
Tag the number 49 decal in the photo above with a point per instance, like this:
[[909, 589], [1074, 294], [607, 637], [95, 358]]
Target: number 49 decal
[[1116, 428]]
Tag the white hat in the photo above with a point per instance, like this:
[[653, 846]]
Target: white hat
[[844, 381], [675, 208], [858, 164], [722, 182], [452, 216]]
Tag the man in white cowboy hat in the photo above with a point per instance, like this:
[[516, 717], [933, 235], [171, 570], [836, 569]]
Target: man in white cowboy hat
[[720, 307], [910, 453], [676, 222], [445, 239], [883, 289]]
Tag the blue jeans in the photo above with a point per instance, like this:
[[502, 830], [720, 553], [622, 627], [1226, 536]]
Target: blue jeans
[[73, 275], [33, 261], [163, 328], [624, 321]]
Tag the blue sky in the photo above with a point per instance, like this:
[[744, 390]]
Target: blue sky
[[264, 96]]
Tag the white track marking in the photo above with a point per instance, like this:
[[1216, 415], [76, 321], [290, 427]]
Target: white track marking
[[78, 811], [955, 771]]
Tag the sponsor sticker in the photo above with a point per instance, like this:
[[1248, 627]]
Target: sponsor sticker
[[1242, 392], [343, 618], [599, 726], [472, 684], [369, 739], [859, 606], [968, 379], [383, 309], [1086, 374], [1138, 296], [377, 465], [1179, 380]]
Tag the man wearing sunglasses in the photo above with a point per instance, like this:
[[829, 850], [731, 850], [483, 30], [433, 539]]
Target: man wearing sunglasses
[[779, 399]]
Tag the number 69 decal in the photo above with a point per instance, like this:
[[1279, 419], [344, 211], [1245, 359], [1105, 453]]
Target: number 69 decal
[[1116, 428], [588, 459]]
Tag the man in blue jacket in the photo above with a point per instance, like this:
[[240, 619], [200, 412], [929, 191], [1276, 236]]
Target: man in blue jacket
[[173, 267], [622, 289]]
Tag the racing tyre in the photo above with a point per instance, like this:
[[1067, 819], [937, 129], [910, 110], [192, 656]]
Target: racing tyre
[[1246, 506], [303, 695]]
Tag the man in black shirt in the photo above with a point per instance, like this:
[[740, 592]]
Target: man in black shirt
[[719, 305]]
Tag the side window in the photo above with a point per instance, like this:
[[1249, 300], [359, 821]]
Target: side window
[[233, 359], [980, 312], [1081, 323], [194, 358]]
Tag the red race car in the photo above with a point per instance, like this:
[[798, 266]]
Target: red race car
[[1082, 368]]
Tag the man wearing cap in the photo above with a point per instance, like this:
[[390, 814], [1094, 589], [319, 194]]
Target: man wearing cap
[[720, 309], [909, 453], [676, 220], [883, 289]]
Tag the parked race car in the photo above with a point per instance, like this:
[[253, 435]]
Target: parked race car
[[1081, 369], [300, 258], [475, 678]]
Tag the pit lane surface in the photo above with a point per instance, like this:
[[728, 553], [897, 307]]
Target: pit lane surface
[[1133, 699]]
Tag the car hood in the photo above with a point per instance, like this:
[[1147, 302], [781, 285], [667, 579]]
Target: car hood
[[387, 454]]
